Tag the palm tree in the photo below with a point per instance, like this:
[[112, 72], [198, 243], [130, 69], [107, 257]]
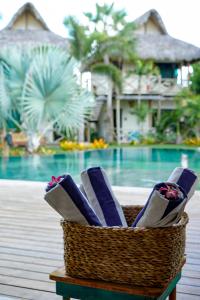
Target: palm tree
[[195, 78], [80, 48], [80, 42], [141, 111], [184, 119], [188, 106], [46, 93], [103, 46], [5, 110]]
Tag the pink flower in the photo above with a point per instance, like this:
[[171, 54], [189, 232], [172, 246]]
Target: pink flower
[[55, 180], [169, 192]]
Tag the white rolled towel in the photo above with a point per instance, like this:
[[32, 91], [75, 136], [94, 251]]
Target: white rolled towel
[[186, 179], [99, 193], [66, 198]]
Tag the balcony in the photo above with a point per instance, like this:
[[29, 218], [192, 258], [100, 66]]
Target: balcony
[[149, 85]]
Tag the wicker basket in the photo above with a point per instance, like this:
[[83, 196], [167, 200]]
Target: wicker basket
[[144, 257]]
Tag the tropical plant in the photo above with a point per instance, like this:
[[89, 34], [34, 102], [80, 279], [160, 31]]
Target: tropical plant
[[195, 78], [104, 45], [80, 42], [99, 144], [188, 104], [141, 111], [168, 128], [192, 141], [43, 90], [184, 120], [68, 145], [5, 107]]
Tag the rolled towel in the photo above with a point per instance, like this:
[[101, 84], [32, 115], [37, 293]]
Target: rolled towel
[[66, 198], [164, 207], [81, 188], [100, 195], [186, 179]]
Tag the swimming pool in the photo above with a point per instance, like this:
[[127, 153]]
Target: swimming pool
[[124, 166]]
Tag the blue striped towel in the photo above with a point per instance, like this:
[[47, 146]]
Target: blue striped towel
[[186, 179], [66, 198], [160, 211], [100, 195]]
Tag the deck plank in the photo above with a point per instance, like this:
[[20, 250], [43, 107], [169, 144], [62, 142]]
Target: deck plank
[[31, 244]]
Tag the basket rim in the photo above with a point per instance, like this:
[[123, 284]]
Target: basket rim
[[182, 223]]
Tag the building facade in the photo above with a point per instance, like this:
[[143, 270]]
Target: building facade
[[172, 58]]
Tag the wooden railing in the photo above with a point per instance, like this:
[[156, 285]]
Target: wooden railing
[[138, 85]]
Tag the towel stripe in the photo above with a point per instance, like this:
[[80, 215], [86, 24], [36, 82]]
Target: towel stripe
[[104, 197], [186, 180], [157, 208], [79, 200], [141, 213], [59, 199]]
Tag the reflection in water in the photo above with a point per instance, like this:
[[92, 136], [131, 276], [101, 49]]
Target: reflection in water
[[184, 160], [124, 166]]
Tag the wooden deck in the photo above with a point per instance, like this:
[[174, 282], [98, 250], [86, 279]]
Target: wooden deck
[[31, 243]]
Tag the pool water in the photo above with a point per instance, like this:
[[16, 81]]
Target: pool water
[[142, 167]]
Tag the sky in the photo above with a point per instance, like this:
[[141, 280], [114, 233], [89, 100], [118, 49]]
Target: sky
[[181, 17]]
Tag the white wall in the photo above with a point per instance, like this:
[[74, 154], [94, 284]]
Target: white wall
[[164, 104], [130, 122]]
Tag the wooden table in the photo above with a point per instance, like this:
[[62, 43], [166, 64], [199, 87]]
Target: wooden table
[[86, 289]]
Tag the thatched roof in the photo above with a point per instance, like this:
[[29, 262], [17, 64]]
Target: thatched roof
[[30, 8], [10, 36], [161, 47], [32, 37], [152, 13], [164, 48]]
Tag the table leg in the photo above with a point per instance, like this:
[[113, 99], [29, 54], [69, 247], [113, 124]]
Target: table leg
[[172, 296]]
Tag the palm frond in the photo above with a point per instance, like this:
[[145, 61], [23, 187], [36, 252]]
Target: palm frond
[[5, 103], [17, 61], [141, 111], [79, 40], [195, 78], [51, 92]]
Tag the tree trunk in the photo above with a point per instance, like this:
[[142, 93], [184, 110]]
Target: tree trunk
[[178, 134], [110, 113], [109, 105], [81, 128], [118, 129], [159, 102], [33, 142], [159, 111], [5, 146], [139, 90]]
